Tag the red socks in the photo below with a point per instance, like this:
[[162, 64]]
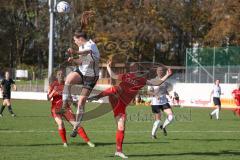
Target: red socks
[[62, 133], [83, 134], [119, 140]]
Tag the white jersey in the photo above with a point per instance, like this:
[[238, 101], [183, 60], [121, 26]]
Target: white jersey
[[160, 92], [89, 62], [216, 91]]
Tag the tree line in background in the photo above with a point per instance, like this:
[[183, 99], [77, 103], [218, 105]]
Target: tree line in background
[[129, 30]]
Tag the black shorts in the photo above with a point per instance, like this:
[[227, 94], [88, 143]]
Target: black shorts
[[6, 96], [216, 101], [157, 108], [87, 82], [176, 98]]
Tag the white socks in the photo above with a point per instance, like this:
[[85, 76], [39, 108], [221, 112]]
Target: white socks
[[168, 120], [156, 125], [216, 112], [79, 116]]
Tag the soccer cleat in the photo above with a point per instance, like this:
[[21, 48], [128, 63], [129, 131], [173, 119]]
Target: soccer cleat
[[93, 98], [120, 154], [160, 127], [65, 145], [13, 115], [90, 144], [74, 133], [154, 137], [1, 115], [164, 131]]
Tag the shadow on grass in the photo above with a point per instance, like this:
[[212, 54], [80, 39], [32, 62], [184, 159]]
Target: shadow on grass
[[207, 140], [221, 153], [30, 145], [100, 144], [34, 116]]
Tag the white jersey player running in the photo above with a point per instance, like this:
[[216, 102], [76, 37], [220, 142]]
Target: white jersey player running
[[85, 74], [159, 101]]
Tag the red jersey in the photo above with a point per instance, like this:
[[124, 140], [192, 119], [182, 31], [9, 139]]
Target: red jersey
[[57, 88], [236, 93], [130, 84]]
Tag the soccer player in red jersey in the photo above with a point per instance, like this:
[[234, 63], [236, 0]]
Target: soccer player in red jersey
[[236, 96], [120, 96], [55, 95]]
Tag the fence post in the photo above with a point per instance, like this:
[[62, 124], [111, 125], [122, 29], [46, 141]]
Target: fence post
[[214, 56], [186, 68]]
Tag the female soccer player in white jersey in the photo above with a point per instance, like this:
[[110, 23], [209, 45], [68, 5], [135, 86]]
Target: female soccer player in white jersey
[[159, 102], [216, 93], [86, 73]]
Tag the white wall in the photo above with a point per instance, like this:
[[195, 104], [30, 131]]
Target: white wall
[[193, 94], [29, 95]]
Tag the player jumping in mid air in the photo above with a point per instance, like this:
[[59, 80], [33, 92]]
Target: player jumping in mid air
[[236, 96], [5, 88], [120, 96], [55, 95], [160, 102], [86, 73]]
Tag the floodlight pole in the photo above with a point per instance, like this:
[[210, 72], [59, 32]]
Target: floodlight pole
[[52, 9]]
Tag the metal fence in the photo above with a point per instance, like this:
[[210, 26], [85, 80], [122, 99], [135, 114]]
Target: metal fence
[[204, 65]]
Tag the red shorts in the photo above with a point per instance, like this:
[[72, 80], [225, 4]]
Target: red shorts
[[68, 115], [119, 100], [118, 105]]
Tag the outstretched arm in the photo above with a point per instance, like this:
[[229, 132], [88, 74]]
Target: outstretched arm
[[72, 51], [157, 82], [111, 73]]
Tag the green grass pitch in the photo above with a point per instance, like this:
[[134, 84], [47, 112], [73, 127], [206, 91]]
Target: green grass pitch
[[33, 135]]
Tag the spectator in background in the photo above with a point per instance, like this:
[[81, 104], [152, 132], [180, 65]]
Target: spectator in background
[[176, 98]]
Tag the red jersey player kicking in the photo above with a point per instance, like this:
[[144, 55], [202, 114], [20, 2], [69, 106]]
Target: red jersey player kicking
[[55, 95], [120, 96]]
